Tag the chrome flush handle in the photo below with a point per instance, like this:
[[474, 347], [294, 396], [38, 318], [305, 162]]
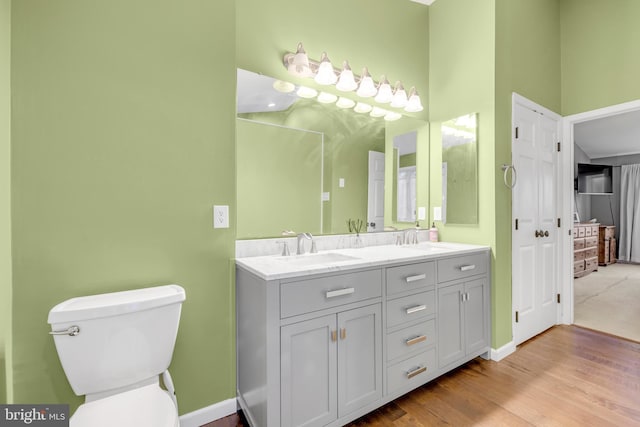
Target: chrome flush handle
[[72, 331]]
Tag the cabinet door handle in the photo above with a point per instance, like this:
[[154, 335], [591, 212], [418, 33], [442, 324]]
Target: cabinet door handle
[[339, 292], [343, 333], [416, 309], [416, 340], [334, 336], [414, 278], [416, 371], [468, 267]]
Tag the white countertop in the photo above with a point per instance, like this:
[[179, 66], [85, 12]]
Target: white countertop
[[273, 267]]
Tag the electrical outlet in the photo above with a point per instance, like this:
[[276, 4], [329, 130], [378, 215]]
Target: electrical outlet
[[437, 213], [220, 216], [422, 213]]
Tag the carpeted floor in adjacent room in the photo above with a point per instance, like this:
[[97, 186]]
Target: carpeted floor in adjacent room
[[608, 300]]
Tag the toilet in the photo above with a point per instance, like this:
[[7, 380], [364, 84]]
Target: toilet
[[113, 348]]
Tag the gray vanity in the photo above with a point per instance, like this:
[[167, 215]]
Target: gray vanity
[[323, 339]]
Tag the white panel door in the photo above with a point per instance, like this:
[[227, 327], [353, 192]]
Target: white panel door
[[375, 211], [535, 214]]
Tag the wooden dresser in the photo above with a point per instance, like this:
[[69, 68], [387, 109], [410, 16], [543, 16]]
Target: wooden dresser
[[585, 248], [607, 245]]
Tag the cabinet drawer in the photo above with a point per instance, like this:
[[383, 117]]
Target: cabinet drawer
[[591, 241], [411, 339], [591, 264], [607, 232], [413, 371], [304, 296], [578, 243], [407, 277], [578, 266], [461, 267], [587, 231], [581, 232], [590, 252], [579, 255], [412, 307]]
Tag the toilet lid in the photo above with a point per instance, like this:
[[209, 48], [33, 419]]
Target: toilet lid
[[147, 406]]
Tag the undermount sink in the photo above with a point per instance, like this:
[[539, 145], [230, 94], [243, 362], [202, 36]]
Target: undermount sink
[[428, 247], [314, 259]]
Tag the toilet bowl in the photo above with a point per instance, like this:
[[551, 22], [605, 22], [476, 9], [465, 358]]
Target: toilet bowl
[[113, 348]]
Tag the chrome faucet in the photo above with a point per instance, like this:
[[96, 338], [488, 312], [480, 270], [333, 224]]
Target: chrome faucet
[[301, 239], [413, 233]]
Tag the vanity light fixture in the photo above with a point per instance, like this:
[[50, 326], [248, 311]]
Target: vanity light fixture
[[385, 93], [283, 86], [327, 98], [392, 116], [325, 75], [345, 102], [346, 82], [367, 88], [413, 104], [306, 92], [361, 107], [399, 97], [378, 112]]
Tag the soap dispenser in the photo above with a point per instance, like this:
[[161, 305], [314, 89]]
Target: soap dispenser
[[433, 233]]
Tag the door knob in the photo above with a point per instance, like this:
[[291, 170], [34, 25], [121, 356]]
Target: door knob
[[546, 233], [538, 234]]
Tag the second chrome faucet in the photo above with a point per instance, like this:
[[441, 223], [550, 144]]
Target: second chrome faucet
[[301, 238]]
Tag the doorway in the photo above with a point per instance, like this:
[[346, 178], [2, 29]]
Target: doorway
[[613, 276]]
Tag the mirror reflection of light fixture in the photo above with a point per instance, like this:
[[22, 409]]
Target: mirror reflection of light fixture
[[306, 92], [325, 75], [361, 107], [346, 81], [399, 97], [385, 93], [345, 102], [284, 87], [378, 112], [413, 104], [298, 64], [327, 98], [367, 88], [392, 116]]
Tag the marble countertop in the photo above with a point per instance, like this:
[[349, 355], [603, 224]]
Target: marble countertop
[[274, 267]]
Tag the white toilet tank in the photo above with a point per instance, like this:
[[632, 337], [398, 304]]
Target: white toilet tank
[[122, 337]]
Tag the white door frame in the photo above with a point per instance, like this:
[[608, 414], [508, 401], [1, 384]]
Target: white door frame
[[561, 165], [568, 195]]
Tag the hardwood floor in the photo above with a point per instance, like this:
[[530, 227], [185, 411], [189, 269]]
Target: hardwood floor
[[567, 376]]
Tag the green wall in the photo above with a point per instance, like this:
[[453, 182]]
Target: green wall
[[600, 61], [528, 63], [6, 380], [462, 80], [123, 139]]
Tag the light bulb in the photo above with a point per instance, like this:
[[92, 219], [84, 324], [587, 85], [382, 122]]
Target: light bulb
[[325, 75], [367, 88], [346, 81]]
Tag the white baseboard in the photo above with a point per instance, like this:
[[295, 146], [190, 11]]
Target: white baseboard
[[502, 352], [210, 413]]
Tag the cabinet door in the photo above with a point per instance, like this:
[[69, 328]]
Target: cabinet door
[[475, 315], [359, 358], [450, 324], [308, 372]]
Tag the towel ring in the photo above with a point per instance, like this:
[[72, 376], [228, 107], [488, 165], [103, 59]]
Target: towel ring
[[514, 175]]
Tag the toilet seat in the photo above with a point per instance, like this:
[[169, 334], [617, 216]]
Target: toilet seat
[[147, 406]]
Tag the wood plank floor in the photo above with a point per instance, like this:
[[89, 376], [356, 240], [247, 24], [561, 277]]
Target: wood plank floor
[[567, 376]]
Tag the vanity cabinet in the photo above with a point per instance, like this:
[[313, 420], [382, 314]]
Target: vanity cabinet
[[323, 349], [330, 366]]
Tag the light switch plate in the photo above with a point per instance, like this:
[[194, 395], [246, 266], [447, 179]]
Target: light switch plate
[[341, 183], [220, 216], [326, 196], [437, 213], [422, 213]]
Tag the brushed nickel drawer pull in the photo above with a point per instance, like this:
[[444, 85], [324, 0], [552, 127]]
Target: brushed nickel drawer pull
[[417, 371], [414, 278], [416, 309], [468, 267], [416, 340], [340, 292]]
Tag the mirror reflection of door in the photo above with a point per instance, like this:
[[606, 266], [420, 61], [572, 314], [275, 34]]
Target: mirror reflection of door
[[404, 147], [375, 211]]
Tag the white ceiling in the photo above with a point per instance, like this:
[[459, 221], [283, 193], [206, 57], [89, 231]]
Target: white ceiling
[[615, 135]]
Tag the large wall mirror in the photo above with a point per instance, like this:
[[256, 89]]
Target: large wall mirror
[[308, 166], [460, 170]]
